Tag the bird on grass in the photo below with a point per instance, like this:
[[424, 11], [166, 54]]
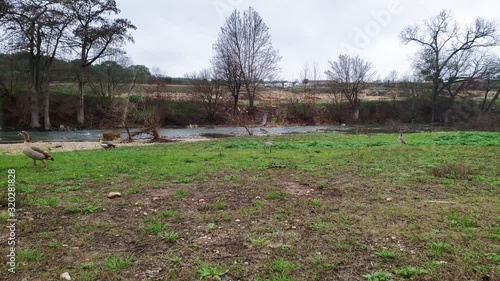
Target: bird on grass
[[401, 139], [105, 144], [34, 152], [267, 142]]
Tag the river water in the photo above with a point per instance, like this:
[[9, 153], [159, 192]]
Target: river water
[[189, 133]]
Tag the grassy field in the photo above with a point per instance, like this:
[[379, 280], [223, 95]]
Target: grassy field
[[314, 207]]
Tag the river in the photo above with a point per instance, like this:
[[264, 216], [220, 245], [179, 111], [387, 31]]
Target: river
[[193, 133]]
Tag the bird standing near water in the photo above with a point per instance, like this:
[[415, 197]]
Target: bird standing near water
[[105, 144], [401, 139], [267, 142], [34, 152]]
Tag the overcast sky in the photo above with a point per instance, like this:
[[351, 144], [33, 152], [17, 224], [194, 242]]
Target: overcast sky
[[177, 36]]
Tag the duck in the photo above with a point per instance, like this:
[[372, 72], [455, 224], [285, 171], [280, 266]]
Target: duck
[[401, 139], [106, 144], [34, 152]]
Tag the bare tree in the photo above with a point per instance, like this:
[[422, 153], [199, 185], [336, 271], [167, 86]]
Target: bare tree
[[138, 72], [208, 88], [94, 36], [227, 49], [461, 73], [337, 99], [392, 76], [244, 54], [157, 72], [304, 74], [37, 27], [491, 77], [315, 75], [349, 76], [441, 41]]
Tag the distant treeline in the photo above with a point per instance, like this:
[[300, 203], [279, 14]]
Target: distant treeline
[[14, 71]]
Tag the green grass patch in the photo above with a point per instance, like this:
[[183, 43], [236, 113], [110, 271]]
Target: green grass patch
[[168, 236], [378, 276], [318, 207], [118, 262], [210, 272], [410, 271], [386, 254]]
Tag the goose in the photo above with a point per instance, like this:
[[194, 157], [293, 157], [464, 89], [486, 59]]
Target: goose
[[267, 142], [106, 144], [401, 139], [34, 152]]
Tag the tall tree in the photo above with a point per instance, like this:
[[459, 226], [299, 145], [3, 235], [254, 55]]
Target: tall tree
[[37, 27], [95, 35], [225, 61], [442, 40], [315, 75], [244, 54], [304, 74], [392, 76], [349, 76]]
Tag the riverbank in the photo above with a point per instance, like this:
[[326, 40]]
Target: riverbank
[[16, 148]]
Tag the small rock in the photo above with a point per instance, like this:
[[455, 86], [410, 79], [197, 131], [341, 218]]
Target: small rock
[[113, 194], [64, 276]]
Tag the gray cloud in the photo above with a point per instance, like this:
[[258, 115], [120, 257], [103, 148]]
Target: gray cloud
[[177, 36]]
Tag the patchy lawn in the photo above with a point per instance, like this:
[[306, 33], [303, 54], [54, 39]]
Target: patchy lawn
[[317, 207]]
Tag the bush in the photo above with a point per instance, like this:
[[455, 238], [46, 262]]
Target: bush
[[110, 135]]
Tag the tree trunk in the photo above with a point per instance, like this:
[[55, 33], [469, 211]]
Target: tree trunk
[[125, 109], [80, 115], [448, 111], [251, 97], [485, 108], [46, 115], [35, 80], [235, 105], [355, 114], [357, 106], [35, 111], [433, 113]]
